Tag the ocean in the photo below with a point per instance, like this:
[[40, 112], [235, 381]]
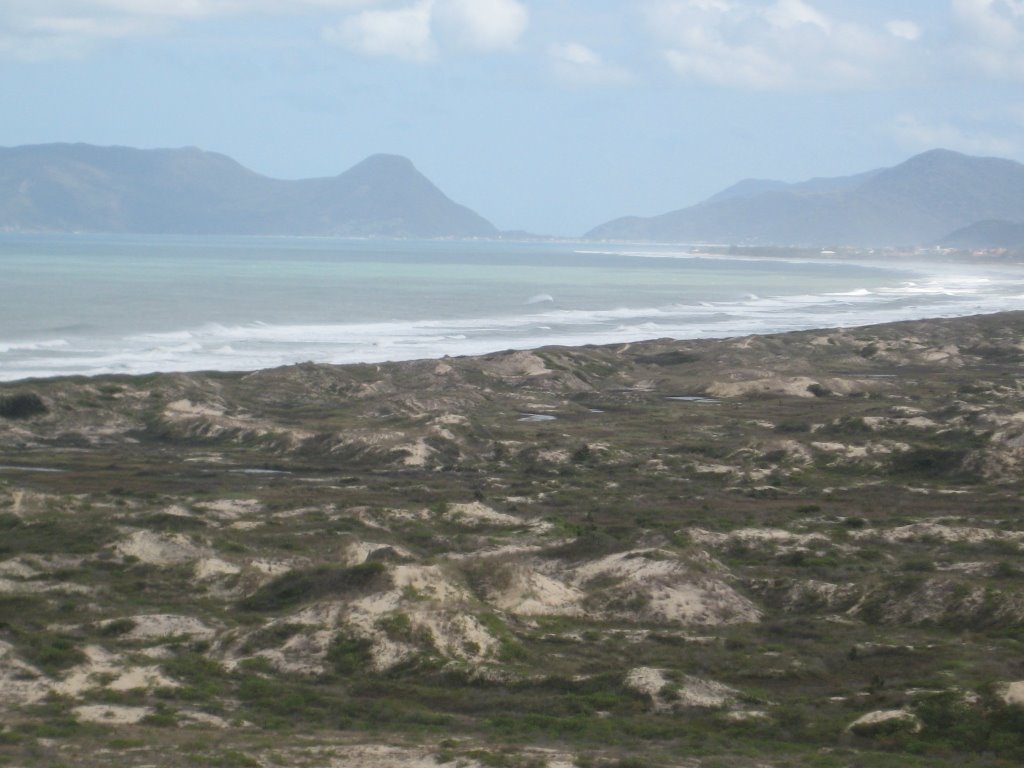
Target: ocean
[[85, 304]]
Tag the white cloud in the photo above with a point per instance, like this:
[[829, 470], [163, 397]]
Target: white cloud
[[770, 44], [576, 64], [722, 64], [418, 32], [65, 30], [164, 9], [576, 54], [786, 14], [486, 25], [904, 30], [413, 29], [993, 35], [403, 33], [42, 29], [921, 135], [995, 21]]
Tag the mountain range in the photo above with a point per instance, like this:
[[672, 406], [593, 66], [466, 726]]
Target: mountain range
[[918, 202], [936, 198], [84, 188]]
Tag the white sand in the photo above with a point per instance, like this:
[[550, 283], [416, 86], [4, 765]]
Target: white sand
[[111, 714], [159, 548]]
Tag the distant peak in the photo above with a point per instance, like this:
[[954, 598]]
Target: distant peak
[[937, 155], [949, 160], [387, 161], [940, 152]]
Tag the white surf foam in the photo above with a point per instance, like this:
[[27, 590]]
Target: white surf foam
[[940, 292], [29, 346], [540, 298]]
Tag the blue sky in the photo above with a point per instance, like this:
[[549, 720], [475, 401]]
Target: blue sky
[[549, 116]]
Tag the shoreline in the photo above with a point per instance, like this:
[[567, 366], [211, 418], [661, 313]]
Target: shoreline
[[493, 353], [574, 303], [969, 255]]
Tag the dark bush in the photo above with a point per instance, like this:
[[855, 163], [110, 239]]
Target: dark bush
[[929, 463], [677, 357], [793, 427], [1005, 570], [848, 426], [52, 653], [116, 627], [582, 454], [302, 586], [164, 521], [988, 725], [995, 352], [270, 637], [23, 405], [349, 655], [589, 544]]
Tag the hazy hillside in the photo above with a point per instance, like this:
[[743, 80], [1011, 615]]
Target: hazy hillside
[[987, 234], [78, 187], [916, 202]]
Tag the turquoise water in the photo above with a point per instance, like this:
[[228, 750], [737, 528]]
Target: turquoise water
[[102, 304]]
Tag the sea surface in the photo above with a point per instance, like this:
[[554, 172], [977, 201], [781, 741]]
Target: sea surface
[[74, 304]]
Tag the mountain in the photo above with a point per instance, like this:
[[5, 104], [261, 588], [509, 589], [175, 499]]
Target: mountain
[[916, 202], [746, 189], [749, 188], [79, 187], [987, 234]]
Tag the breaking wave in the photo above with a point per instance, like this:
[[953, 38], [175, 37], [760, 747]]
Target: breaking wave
[[455, 329], [540, 298]]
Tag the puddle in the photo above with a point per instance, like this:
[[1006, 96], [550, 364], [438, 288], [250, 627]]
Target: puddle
[[534, 418], [257, 472], [694, 399], [7, 468]]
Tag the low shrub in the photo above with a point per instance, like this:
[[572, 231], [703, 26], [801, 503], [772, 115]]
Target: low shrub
[[349, 655], [52, 653], [302, 586], [675, 357], [929, 463], [23, 405], [590, 544]]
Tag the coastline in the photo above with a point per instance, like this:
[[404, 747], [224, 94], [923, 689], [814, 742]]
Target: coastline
[[489, 352], [266, 321]]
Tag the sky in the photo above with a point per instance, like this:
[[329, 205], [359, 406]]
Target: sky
[[551, 116]]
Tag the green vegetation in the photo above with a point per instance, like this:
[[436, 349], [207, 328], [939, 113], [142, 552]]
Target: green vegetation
[[22, 405], [296, 587], [641, 581]]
